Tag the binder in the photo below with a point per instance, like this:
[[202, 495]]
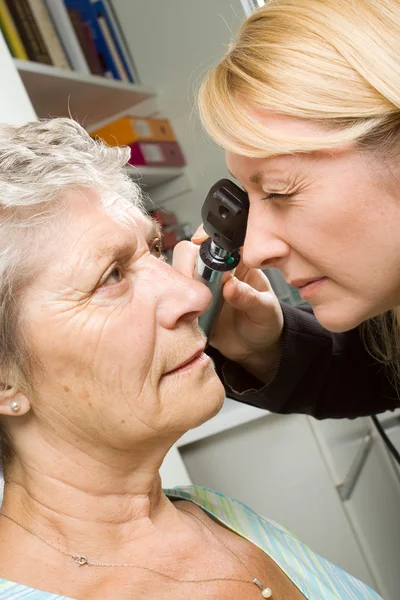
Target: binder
[[156, 154], [129, 130]]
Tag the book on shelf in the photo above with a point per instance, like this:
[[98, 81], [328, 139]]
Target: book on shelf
[[67, 34], [29, 31], [89, 18], [120, 41], [10, 32], [49, 33], [83, 35], [109, 30]]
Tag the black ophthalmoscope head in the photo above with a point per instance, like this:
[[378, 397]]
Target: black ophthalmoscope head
[[224, 215]]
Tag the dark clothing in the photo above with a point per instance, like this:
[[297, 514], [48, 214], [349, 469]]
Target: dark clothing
[[323, 374]]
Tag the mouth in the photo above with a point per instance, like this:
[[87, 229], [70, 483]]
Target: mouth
[[196, 359], [307, 287]]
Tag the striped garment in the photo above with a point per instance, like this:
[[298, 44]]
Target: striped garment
[[315, 577]]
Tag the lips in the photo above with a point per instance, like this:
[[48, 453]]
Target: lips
[[299, 283], [189, 360]]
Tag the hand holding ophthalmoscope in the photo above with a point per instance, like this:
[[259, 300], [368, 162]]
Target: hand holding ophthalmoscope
[[249, 325]]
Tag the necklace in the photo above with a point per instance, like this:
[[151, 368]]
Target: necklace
[[81, 560]]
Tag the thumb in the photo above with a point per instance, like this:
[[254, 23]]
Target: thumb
[[199, 235]]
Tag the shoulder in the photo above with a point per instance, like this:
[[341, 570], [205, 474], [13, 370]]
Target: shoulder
[[230, 511]]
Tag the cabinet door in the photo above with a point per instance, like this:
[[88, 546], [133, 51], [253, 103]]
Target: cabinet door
[[374, 510], [340, 441]]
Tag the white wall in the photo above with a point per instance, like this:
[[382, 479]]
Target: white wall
[[15, 106], [173, 43]]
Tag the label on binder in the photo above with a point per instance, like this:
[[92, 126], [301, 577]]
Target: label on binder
[[152, 153]]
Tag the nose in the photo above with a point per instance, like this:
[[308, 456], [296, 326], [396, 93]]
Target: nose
[[181, 298], [263, 248]]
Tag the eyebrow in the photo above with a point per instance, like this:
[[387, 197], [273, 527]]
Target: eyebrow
[[111, 252], [254, 178]]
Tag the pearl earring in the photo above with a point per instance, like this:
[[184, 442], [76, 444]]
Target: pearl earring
[[15, 406]]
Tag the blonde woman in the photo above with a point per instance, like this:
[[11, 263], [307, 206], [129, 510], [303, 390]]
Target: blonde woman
[[306, 104]]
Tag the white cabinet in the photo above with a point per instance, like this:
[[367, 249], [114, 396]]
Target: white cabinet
[[374, 510], [290, 467], [273, 465], [369, 487]]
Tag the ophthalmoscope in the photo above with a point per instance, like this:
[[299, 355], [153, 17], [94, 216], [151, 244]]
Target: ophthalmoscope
[[224, 215]]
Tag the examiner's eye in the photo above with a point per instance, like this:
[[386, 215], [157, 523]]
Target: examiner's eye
[[114, 277], [275, 196]]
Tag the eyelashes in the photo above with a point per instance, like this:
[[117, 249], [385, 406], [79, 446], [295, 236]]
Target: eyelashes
[[272, 197]]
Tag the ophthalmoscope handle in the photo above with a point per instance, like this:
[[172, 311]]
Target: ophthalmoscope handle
[[224, 214], [212, 263]]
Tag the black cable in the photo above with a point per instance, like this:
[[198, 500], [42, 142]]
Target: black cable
[[391, 447]]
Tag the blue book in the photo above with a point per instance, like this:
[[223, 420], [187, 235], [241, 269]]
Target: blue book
[[88, 13], [102, 10]]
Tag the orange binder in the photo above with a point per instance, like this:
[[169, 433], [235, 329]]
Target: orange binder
[[129, 130]]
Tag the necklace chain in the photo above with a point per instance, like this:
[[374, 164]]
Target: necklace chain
[[81, 560]]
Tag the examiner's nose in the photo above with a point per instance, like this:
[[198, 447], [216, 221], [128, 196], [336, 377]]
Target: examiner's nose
[[263, 248], [181, 298]]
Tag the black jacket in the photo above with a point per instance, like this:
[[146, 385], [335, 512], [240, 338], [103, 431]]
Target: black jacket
[[323, 374]]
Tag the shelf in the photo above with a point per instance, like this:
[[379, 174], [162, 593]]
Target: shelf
[[87, 98], [161, 183], [231, 415], [151, 177]]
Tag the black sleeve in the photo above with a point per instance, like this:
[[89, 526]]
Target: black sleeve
[[323, 374]]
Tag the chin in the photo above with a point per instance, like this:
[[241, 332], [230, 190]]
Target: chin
[[211, 399], [339, 318]]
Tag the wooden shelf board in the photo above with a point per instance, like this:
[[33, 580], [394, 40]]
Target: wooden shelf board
[[87, 98]]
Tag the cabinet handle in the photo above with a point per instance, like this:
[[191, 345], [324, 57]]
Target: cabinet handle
[[345, 489]]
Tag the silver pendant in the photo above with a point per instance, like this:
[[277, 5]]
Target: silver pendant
[[80, 560]]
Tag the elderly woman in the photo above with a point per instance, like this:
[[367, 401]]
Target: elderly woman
[[102, 370]]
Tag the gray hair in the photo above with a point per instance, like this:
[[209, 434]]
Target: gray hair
[[39, 161]]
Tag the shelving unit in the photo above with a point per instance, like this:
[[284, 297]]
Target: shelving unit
[[92, 100], [87, 98]]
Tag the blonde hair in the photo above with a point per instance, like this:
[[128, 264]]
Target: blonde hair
[[38, 162], [334, 62]]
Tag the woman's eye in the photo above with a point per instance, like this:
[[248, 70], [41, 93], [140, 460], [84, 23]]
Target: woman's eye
[[114, 277], [275, 196]]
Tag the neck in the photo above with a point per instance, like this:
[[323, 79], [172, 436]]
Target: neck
[[90, 501]]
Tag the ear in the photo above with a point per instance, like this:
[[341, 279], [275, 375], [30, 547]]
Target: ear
[[13, 403]]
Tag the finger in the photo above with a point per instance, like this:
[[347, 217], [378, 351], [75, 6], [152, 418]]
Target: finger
[[246, 299], [184, 258], [199, 236]]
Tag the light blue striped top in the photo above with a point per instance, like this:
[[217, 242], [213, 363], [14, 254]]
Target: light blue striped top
[[315, 577]]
